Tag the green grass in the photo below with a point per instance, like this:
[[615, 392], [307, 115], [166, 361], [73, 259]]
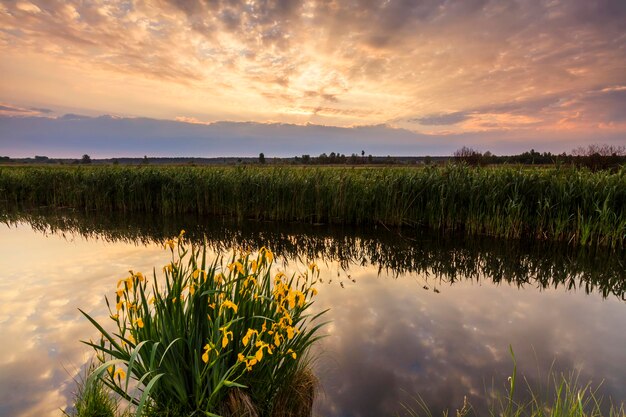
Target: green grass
[[208, 339], [565, 396], [93, 399], [563, 204]]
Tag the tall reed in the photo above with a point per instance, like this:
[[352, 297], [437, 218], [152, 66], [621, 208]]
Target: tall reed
[[577, 206]]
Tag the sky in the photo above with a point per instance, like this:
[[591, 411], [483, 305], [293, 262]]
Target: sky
[[504, 76]]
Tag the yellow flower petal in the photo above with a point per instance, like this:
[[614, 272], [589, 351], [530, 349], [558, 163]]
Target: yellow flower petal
[[119, 373]]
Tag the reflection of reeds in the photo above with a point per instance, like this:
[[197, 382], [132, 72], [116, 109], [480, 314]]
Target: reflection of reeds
[[575, 206], [208, 340], [448, 259]]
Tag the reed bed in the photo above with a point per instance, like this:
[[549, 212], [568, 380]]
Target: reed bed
[[563, 204]]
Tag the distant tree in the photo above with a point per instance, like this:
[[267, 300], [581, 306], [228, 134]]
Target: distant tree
[[468, 155], [86, 159], [306, 159], [599, 156], [601, 150], [370, 158], [261, 158], [145, 161]]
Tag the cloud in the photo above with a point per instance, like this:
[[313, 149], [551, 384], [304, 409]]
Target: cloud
[[114, 136], [441, 119], [9, 110], [435, 64]]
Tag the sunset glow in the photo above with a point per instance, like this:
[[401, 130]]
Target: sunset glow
[[517, 71]]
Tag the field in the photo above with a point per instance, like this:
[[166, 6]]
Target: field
[[564, 204]]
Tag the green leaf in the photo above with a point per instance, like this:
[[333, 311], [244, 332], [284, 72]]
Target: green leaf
[[233, 384], [146, 394]]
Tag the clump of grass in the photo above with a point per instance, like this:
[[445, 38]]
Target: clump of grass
[[211, 340], [565, 397], [298, 396], [92, 399]]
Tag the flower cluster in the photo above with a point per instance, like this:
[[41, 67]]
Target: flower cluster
[[233, 323]]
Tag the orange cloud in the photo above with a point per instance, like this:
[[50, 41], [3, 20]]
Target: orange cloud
[[412, 64]]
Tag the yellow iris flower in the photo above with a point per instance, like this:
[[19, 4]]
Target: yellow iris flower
[[229, 304], [246, 339], [225, 336], [236, 265], [207, 348]]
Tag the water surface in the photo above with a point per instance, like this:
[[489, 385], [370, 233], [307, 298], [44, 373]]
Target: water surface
[[411, 314]]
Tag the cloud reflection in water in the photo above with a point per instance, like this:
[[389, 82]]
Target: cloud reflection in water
[[44, 282], [389, 340], [392, 340]]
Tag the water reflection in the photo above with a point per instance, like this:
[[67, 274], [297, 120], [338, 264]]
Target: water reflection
[[391, 340], [447, 259], [44, 281], [392, 335]]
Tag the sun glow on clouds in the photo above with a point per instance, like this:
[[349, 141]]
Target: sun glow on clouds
[[427, 66]]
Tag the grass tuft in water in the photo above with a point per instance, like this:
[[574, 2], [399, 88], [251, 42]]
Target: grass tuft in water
[[92, 399], [565, 397]]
